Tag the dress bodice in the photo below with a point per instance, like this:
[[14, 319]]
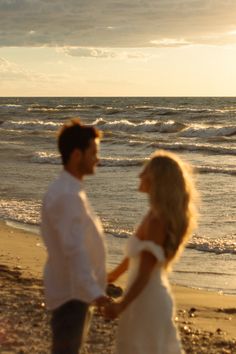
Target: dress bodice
[[134, 248]]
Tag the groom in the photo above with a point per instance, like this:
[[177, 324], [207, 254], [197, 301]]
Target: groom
[[75, 274]]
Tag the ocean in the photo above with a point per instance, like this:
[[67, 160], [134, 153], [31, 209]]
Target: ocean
[[201, 130]]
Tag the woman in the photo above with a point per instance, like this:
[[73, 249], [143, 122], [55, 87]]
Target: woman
[[146, 311]]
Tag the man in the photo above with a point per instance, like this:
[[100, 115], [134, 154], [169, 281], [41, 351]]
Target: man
[[75, 274]]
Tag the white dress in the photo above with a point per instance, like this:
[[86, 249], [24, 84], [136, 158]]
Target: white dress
[[146, 326]]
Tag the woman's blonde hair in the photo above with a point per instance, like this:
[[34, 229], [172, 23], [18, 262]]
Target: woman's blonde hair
[[173, 199]]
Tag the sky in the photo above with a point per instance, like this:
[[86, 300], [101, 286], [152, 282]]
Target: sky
[[118, 48]]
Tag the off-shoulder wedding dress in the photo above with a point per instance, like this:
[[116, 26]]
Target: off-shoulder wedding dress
[[146, 326]]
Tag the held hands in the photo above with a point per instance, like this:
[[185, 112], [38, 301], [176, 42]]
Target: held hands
[[112, 310], [101, 302], [107, 307]]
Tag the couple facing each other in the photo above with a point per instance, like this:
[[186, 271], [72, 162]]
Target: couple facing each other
[[75, 272]]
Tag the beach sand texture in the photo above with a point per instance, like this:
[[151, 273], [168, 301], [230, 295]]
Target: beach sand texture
[[206, 320]]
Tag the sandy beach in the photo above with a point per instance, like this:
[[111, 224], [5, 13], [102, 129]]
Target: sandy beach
[[206, 320]]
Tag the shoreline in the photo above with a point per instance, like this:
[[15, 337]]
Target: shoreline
[[32, 234], [198, 312]]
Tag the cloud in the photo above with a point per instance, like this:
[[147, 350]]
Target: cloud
[[10, 71], [170, 42], [116, 24], [87, 52], [115, 53]]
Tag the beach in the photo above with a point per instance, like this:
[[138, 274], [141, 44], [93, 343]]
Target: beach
[[206, 320]]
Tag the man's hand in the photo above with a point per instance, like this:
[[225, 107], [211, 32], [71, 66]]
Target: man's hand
[[112, 310], [100, 303]]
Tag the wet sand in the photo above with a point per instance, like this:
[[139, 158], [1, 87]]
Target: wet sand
[[206, 320]]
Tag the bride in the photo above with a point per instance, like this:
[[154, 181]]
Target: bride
[[146, 311]]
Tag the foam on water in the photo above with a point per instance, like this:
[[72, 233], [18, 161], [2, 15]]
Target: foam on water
[[206, 132], [25, 212], [46, 157], [223, 245], [145, 126], [31, 125], [10, 105]]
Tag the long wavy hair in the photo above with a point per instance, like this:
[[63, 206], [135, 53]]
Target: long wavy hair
[[173, 198]]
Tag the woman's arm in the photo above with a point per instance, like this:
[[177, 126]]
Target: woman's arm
[[118, 271], [147, 263], [151, 229]]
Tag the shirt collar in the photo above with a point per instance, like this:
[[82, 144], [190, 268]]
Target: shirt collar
[[73, 180]]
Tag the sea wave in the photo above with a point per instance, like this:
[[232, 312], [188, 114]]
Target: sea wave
[[58, 108], [143, 127], [136, 128], [179, 146], [43, 157], [183, 130], [118, 233], [64, 107], [217, 246], [117, 108], [214, 169], [43, 109], [227, 245], [7, 105], [112, 110], [28, 212], [119, 162], [31, 125], [178, 108], [206, 132]]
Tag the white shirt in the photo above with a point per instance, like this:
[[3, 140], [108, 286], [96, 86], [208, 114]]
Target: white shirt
[[73, 235]]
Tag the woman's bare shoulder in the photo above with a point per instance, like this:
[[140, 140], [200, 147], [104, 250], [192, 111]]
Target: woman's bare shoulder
[[155, 229], [141, 229]]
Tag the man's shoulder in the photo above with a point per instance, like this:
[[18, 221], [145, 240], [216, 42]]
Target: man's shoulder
[[55, 187], [61, 191]]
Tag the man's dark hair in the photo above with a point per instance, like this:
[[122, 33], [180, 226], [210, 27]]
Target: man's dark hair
[[75, 135]]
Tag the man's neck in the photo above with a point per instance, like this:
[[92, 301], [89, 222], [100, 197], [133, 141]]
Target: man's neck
[[74, 173]]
